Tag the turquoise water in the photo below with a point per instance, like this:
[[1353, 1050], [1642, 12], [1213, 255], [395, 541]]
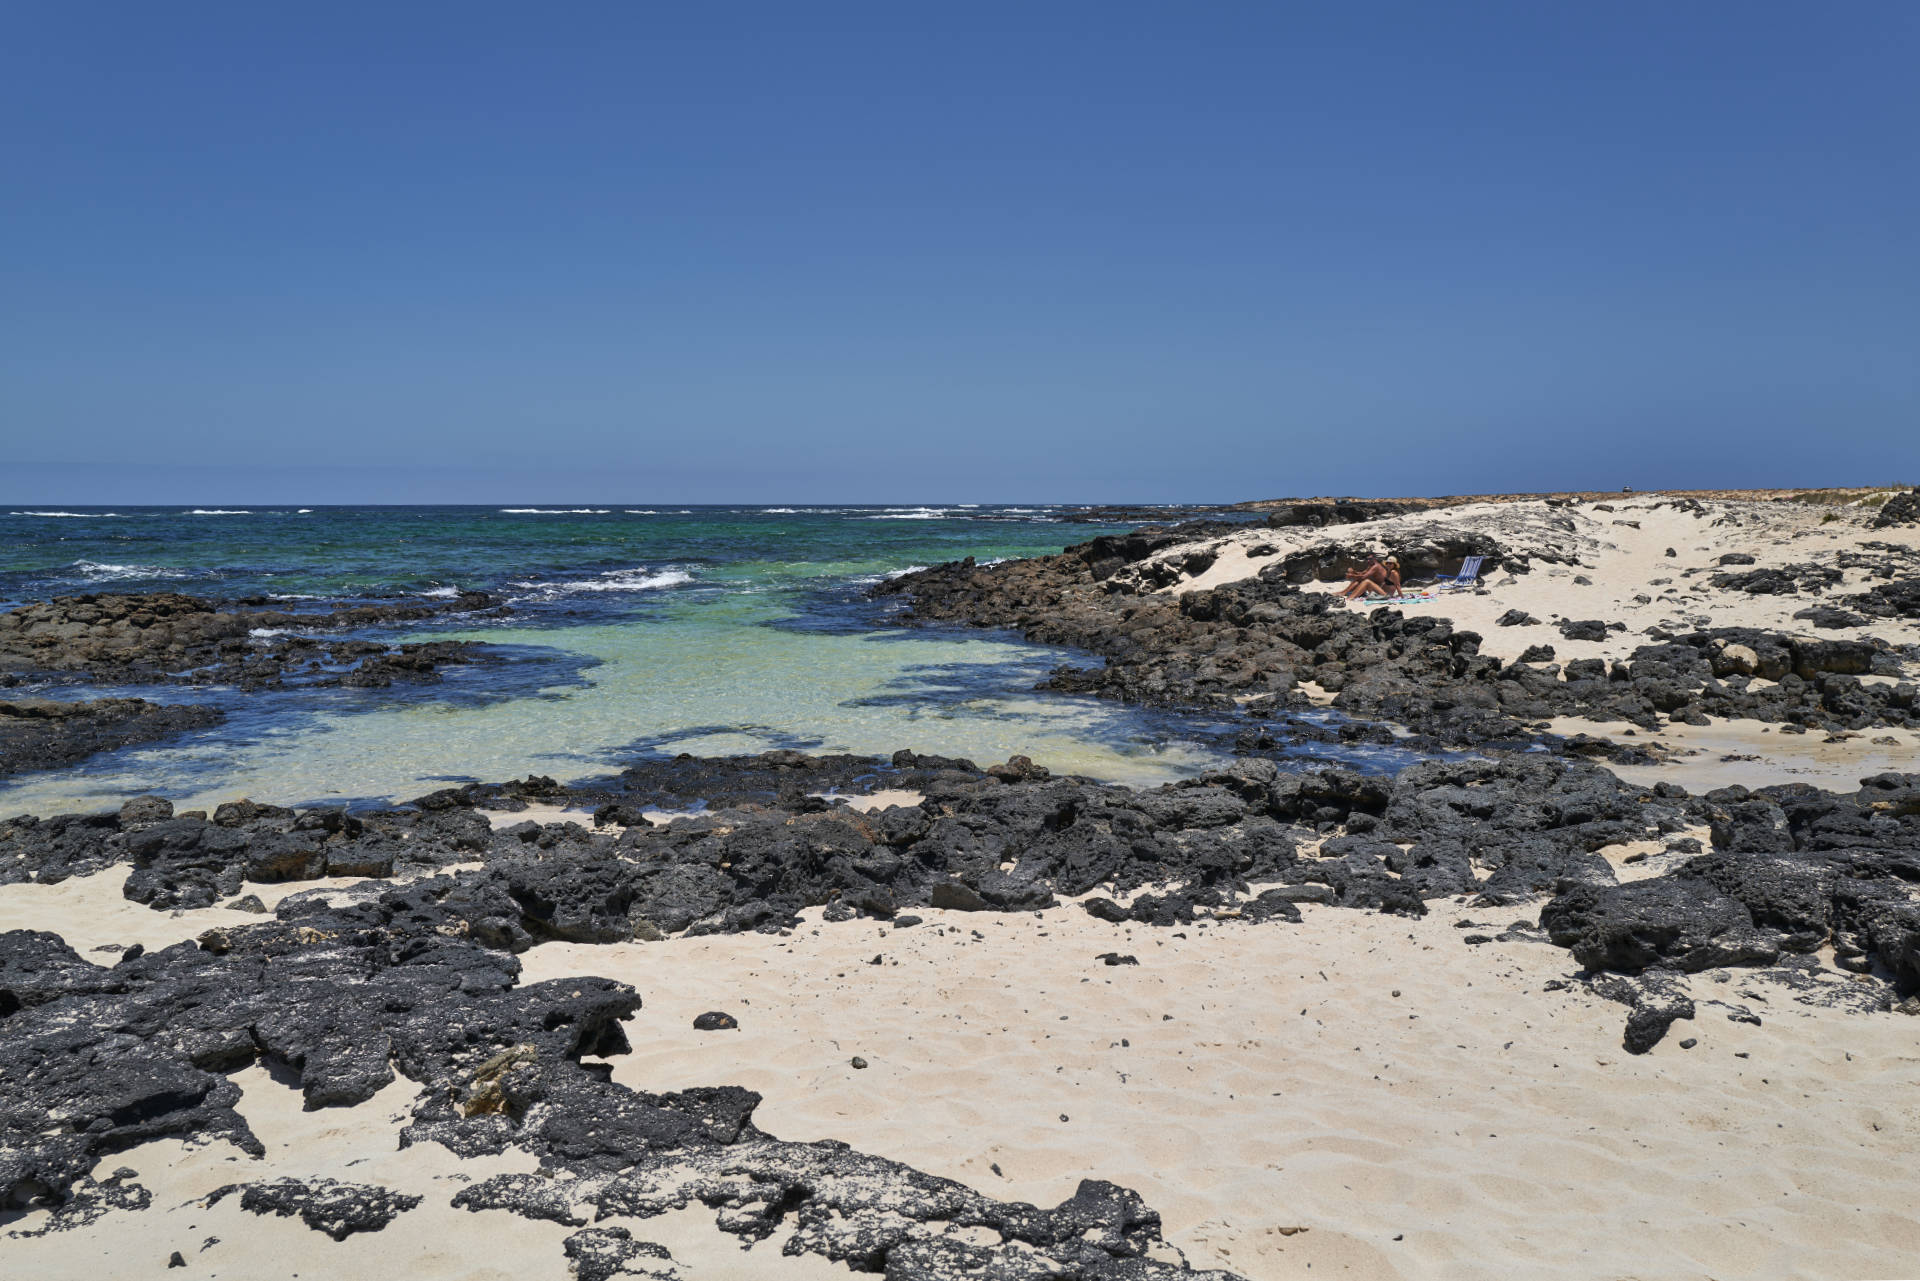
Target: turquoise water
[[638, 629]]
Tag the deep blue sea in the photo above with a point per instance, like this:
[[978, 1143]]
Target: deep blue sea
[[636, 630]]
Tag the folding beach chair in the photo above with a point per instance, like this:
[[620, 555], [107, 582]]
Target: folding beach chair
[[1469, 571]]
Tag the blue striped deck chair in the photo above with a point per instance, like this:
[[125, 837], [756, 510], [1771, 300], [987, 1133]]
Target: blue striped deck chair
[[1469, 572]]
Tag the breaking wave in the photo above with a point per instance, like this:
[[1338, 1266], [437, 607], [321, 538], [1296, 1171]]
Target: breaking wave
[[911, 513], [106, 572], [639, 579]]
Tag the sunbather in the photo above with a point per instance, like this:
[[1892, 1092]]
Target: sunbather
[[1377, 579]]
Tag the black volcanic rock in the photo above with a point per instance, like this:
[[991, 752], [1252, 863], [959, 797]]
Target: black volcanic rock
[[1901, 509], [325, 1205], [1252, 643], [47, 733], [1628, 928], [166, 637], [346, 990]]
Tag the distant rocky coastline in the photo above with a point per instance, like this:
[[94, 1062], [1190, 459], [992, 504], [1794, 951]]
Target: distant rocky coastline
[[1254, 644]]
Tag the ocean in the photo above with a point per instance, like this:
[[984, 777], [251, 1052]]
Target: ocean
[[637, 630]]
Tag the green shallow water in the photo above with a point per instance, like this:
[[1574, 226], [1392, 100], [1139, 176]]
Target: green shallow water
[[629, 641]]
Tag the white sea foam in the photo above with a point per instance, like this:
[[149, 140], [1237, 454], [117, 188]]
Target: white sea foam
[[73, 515], [868, 580], [220, 511], [265, 633], [107, 572], [442, 593], [638, 579], [777, 511], [641, 511], [303, 511], [555, 511], [910, 513]]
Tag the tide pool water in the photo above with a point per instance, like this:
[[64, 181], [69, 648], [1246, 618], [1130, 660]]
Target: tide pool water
[[637, 629]]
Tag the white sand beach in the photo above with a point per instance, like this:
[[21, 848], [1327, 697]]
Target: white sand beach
[[1360, 1095]]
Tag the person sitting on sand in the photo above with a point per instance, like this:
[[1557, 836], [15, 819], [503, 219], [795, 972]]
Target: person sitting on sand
[[1357, 579], [1376, 579]]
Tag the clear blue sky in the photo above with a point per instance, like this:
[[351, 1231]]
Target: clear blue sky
[[967, 252]]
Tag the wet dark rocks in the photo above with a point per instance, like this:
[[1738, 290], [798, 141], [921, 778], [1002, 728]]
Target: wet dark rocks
[[48, 733], [166, 637], [715, 1021], [782, 777], [413, 664], [325, 1205]]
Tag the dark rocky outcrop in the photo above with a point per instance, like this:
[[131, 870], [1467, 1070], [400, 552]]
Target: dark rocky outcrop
[[417, 979], [1898, 599], [1338, 512], [251, 644], [325, 1205], [1901, 509], [349, 999], [1788, 580], [1250, 645], [1793, 868], [47, 733]]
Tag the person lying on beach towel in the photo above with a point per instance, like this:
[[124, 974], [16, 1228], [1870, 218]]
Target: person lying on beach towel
[[1377, 579]]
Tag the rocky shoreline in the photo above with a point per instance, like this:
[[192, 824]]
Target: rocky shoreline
[[47, 733], [1255, 643], [412, 970], [399, 965], [164, 638]]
